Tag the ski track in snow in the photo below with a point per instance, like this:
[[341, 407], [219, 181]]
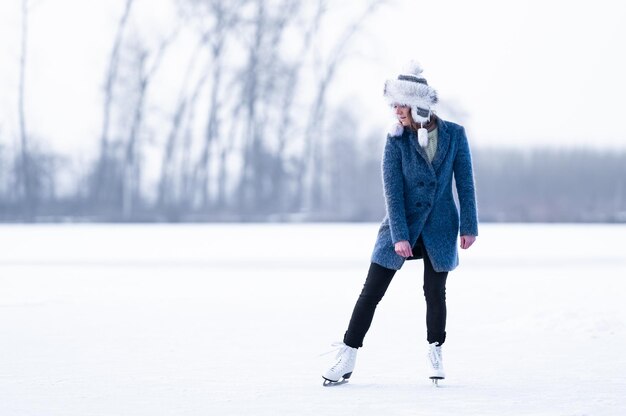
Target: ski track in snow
[[231, 319]]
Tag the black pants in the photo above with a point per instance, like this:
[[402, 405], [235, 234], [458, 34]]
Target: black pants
[[376, 284]]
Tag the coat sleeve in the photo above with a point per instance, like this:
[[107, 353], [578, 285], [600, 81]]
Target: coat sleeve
[[393, 187], [464, 177]]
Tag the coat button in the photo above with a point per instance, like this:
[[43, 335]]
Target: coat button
[[431, 184], [420, 183], [428, 204], [419, 204]]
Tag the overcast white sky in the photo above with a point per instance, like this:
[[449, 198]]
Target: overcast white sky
[[525, 72]]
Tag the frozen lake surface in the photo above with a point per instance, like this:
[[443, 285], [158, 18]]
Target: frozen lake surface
[[232, 319]]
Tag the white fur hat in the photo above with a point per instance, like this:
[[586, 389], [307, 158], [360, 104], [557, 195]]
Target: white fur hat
[[411, 89]]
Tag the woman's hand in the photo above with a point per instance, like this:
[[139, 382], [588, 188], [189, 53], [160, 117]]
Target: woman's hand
[[403, 248], [466, 241]]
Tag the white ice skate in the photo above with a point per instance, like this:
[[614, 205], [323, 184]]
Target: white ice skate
[[435, 361], [341, 371]]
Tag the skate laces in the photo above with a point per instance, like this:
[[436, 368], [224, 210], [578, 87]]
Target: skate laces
[[338, 346], [342, 352], [434, 354]]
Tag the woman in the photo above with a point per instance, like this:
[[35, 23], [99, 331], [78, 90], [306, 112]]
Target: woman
[[421, 156]]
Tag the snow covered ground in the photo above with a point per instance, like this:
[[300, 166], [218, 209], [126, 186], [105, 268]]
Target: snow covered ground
[[232, 319]]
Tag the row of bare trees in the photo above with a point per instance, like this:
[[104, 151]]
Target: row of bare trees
[[239, 127], [549, 185], [235, 127]]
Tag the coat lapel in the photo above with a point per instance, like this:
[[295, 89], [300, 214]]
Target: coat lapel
[[443, 143], [418, 148]]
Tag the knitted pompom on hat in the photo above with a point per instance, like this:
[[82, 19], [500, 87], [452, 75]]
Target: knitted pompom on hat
[[412, 89]]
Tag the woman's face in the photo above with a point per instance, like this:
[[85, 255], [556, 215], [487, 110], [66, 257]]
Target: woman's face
[[403, 113]]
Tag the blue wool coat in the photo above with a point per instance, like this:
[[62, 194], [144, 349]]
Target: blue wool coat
[[419, 201]]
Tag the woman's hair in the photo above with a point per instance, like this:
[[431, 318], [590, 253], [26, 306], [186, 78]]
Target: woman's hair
[[413, 125]]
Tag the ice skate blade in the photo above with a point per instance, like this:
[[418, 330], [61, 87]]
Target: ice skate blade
[[330, 383], [435, 380], [343, 380]]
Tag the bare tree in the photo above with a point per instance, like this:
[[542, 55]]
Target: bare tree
[[184, 182], [225, 18], [184, 103], [24, 173], [103, 173], [291, 73], [132, 167], [261, 77], [310, 172]]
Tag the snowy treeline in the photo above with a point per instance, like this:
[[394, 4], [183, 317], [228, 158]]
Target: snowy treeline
[[548, 185], [235, 126], [240, 127], [537, 186]]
